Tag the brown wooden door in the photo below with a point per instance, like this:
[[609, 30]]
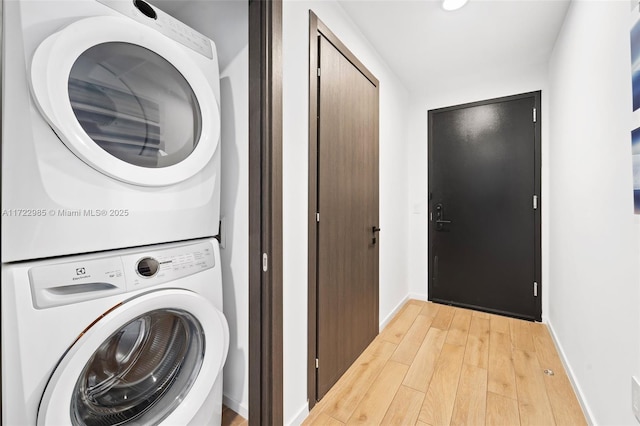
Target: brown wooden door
[[347, 191], [484, 185]]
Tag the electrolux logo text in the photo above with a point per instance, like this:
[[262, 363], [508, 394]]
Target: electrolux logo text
[[81, 273]]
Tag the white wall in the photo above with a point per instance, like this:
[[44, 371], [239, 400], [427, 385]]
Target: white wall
[[594, 247], [393, 185], [226, 23], [234, 209], [449, 92]]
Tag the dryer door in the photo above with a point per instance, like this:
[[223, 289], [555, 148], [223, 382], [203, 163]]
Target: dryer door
[[128, 101], [151, 360]]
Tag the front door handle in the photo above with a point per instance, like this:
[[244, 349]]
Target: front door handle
[[440, 222]]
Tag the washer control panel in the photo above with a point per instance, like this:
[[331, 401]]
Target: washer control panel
[[157, 267], [147, 267], [90, 277]]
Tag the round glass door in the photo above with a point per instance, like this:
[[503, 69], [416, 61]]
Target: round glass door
[[134, 105], [130, 103], [142, 372], [150, 360]]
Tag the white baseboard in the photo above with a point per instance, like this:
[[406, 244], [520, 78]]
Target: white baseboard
[[421, 297], [581, 399], [393, 313], [399, 306], [303, 413], [236, 406]]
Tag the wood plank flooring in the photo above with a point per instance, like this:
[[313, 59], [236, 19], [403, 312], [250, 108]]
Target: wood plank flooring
[[231, 418], [439, 365]]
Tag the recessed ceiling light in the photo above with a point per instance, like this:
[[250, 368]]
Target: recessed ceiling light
[[453, 4]]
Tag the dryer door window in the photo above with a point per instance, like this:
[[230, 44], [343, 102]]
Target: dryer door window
[[128, 101], [135, 105], [141, 372]]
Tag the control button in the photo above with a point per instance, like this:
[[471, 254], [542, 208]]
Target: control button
[[147, 267]]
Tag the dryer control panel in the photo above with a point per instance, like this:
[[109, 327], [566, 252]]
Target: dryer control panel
[[153, 17], [89, 277]]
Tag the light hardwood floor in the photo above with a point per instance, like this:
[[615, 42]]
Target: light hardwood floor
[[231, 418], [439, 365]]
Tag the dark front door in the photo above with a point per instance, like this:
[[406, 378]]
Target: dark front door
[[484, 186], [347, 207]]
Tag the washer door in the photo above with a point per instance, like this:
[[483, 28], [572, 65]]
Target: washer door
[[150, 360], [127, 100]]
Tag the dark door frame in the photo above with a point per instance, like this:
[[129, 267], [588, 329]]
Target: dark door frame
[[537, 95], [265, 212], [316, 28]]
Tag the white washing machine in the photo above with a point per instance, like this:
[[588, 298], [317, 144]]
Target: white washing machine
[[110, 128], [134, 336]]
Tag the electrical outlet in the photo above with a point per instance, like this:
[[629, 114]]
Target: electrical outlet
[[635, 397]]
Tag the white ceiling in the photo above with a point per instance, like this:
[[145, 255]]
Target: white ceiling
[[424, 44]]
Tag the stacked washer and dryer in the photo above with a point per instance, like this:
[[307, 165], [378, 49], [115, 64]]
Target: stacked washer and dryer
[[111, 275]]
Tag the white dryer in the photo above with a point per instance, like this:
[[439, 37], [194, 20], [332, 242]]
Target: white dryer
[[110, 128], [134, 336]]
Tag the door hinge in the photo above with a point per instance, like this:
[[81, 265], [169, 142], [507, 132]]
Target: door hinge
[[535, 114], [317, 363], [317, 217], [265, 262], [535, 202], [318, 72], [535, 289]]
